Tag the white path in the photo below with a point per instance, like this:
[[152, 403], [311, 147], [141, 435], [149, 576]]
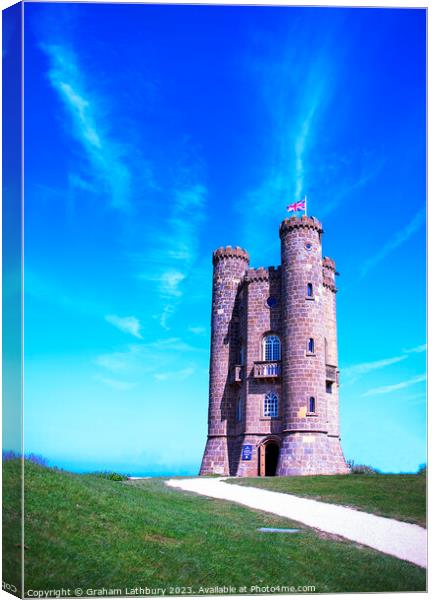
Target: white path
[[403, 540]]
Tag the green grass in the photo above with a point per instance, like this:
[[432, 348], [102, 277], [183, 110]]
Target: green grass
[[401, 497], [12, 517], [90, 532]]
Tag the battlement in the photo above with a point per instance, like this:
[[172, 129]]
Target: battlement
[[329, 283], [300, 222], [328, 263], [274, 272], [225, 252], [273, 381], [262, 274]]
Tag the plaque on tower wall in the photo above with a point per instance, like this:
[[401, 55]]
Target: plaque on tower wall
[[247, 452]]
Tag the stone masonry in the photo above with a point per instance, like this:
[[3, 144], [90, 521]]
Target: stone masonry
[[273, 389]]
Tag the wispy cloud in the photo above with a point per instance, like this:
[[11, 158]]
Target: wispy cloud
[[296, 121], [129, 325], [386, 389], [175, 253], [179, 375], [353, 372], [417, 349], [113, 168], [116, 361], [170, 281], [52, 291], [159, 355], [395, 242], [318, 89], [301, 87], [298, 88], [197, 330], [367, 168], [162, 360], [91, 126], [116, 384]]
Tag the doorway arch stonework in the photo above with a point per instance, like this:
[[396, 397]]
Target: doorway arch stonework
[[269, 451]]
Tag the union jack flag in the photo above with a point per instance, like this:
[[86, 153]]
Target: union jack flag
[[296, 206]]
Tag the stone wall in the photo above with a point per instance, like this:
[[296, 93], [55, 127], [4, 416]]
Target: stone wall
[[229, 267], [331, 354], [241, 317]]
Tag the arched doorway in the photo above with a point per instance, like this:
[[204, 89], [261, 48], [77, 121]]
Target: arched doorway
[[269, 453]]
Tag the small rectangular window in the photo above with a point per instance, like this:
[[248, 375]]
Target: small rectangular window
[[312, 405], [239, 411], [241, 354], [309, 290], [329, 387], [311, 346]]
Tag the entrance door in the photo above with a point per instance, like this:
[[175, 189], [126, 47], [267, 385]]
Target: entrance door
[[272, 451], [269, 453]]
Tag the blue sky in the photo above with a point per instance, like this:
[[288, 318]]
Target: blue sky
[[155, 134]]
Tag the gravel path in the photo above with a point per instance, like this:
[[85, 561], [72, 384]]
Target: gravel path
[[403, 540]]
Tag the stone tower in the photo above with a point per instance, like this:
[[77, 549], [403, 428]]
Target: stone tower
[[273, 392], [229, 267]]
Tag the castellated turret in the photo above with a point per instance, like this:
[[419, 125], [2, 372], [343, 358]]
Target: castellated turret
[[273, 390], [229, 268]]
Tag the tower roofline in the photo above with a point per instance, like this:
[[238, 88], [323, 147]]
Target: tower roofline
[[330, 284], [262, 274], [229, 252], [328, 263], [300, 222]]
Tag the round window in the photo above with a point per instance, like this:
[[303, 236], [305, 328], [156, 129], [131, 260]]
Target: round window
[[308, 246], [272, 302]]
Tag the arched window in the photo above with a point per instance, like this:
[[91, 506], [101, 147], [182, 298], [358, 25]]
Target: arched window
[[312, 405], [309, 290], [271, 347], [310, 347], [270, 408]]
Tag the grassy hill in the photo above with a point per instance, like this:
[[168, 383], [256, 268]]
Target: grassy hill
[[401, 497], [88, 532]]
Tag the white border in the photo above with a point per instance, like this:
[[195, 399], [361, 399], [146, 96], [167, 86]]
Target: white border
[[336, 3]]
